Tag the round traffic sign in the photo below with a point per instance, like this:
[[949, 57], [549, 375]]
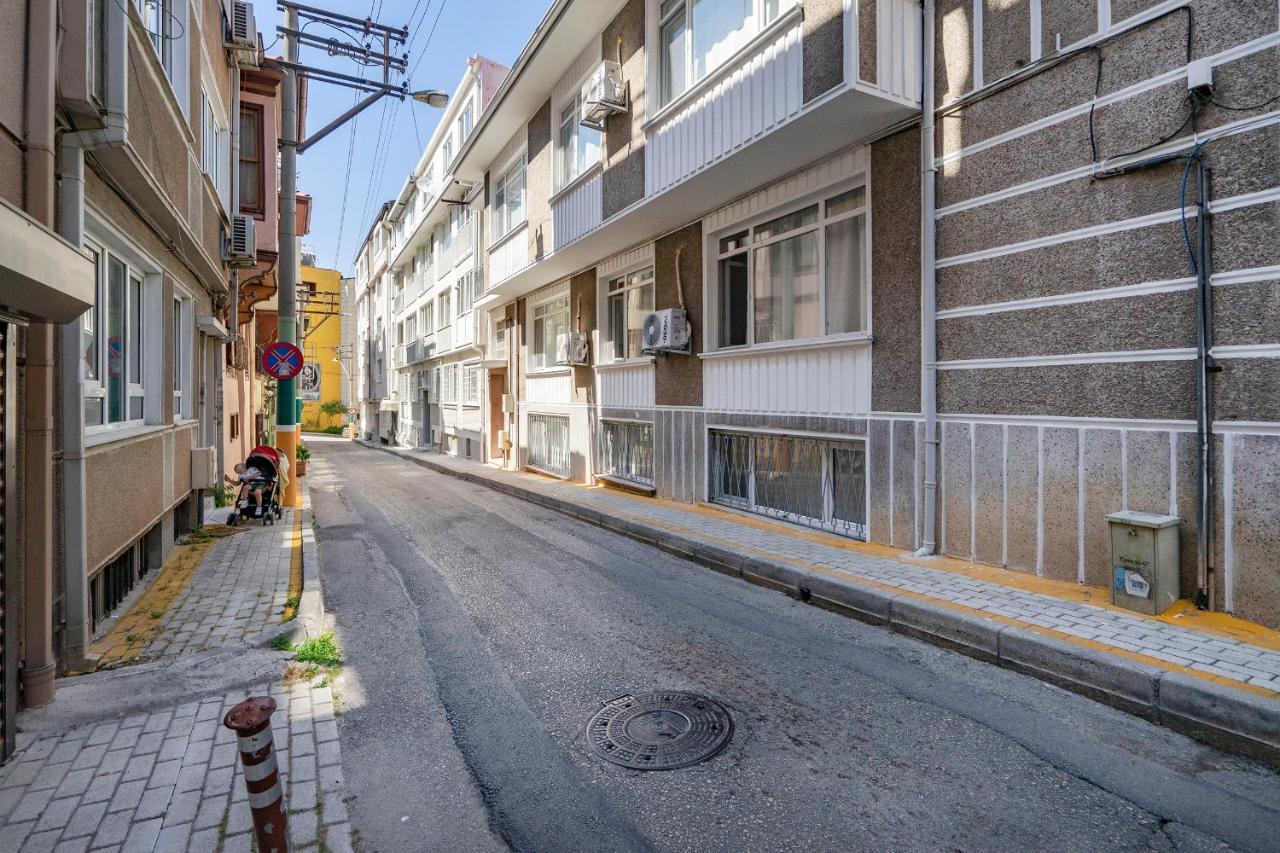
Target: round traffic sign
[[281, 360]]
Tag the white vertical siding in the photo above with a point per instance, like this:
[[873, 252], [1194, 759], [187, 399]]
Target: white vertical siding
[[811, 180], [759, 92], [509, 256], [567, 86], [833, 380], [578, 212], [898, 48], [628, 386], [626, 260], [550, 388]]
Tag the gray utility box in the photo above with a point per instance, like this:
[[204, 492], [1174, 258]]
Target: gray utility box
[[1144, 561]]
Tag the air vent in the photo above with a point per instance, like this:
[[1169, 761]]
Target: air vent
[[243, 251], [244, 35]]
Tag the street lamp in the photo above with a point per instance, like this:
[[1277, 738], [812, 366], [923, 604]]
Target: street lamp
[[432, 98]]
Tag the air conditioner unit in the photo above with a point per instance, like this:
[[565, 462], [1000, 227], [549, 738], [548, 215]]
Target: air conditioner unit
[[204, 468], [665, 331], [603, 94], [571, 348], [243, 43], [243, 251]]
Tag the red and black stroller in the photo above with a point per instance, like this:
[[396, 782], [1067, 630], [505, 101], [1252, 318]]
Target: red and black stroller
[[273, 470]]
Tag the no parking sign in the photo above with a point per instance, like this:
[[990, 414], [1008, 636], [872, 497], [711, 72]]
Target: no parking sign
[[281, 360]]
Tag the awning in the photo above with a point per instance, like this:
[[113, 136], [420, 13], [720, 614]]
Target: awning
[[42, 277]]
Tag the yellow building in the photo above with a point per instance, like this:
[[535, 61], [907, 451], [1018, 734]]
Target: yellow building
[[320, 313]]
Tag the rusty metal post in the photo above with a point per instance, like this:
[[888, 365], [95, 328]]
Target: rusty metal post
[[251, 721]]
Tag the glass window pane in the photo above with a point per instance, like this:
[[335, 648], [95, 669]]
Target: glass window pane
[[846, 201], [568, 152], [720, 27], [135, 408], [135, 331], [848, 485], [618, 325], [93, 411], [90, 335], [116, 389], [639, 304], [845, 309], [588, 148], [786, 290], [787, 222], [733, 301], [788, 476], [733, 242], [674, 77]]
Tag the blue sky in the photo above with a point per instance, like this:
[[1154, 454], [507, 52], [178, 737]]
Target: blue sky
[[495, 28]]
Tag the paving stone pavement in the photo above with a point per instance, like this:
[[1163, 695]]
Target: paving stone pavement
[[171, 780], [1213, 654], [238, 593]]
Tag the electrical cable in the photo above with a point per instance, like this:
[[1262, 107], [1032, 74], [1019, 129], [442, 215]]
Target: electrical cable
[[1192, 157], [1244, 109]]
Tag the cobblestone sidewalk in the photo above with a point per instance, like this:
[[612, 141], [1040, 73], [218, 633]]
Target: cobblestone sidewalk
[[171, 780], [1216, 655], [238, 592]]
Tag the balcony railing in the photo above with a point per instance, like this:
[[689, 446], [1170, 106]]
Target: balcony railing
[[444, 339], [397, 304], [459, 245], [414, 351]]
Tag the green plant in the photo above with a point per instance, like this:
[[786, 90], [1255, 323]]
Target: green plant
[[322, 650], [333, 430], [1199, 736], [281, 643], [222, 496], [333, 408], [303, 452], [323, 682], [157, 614]]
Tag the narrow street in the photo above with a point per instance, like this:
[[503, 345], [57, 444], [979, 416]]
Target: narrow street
[[481, 633]]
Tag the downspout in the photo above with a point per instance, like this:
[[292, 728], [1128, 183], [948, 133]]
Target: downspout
[[1206, 597], [928, 289], [233, 311], [38, 664], [71, 226]]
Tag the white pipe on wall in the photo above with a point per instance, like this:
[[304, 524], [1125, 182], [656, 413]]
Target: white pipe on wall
[[928, 287]]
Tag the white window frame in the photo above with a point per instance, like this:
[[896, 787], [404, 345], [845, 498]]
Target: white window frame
[[449, 384], [470, 384], [763, 14], [427, 317], [538, 362], [465, 293], [444, 308], [466, 120], [715, 256], [183, 344], [562, 178], [502, 227], [605, 296], [137, 268]]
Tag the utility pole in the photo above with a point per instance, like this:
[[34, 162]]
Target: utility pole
[[364, 33]]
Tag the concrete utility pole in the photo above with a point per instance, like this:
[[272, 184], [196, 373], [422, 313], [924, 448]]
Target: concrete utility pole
[[362, 31]]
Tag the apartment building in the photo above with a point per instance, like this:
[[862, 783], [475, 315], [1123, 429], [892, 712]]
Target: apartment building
[[436, 269], [377, 415], [320, 338], [971, 329]]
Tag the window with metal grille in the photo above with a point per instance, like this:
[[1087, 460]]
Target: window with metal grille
[[811, 481], [549, 444], [626, 451]]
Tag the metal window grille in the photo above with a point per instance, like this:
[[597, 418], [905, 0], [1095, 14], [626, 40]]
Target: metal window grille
[[626, 451], [808, 481], [549, 444]]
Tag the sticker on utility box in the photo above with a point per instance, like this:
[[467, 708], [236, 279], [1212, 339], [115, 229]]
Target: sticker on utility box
[[1131, 583]]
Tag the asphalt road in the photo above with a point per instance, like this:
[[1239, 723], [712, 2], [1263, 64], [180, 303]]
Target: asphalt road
[[482, 632]]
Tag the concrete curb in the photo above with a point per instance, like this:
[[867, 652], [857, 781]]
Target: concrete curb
[[310, 619], [1211, 712]]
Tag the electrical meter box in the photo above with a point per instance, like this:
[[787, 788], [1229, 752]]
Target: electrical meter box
[[1144, 561]]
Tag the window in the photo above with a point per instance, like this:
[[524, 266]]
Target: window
[[181, 358], [466, 121], [157, 17], [550, 320], [500, 339], [114, 335], [448, 150], [449, 383], [697, 36], [630, 298], [471, 385], [425, 316], [233, 426], [799, 275], [578, 147], [251, 173], [508, 201], [444, 303], [466, 291]]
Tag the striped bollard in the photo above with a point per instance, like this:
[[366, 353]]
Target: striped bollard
[[251, 720]]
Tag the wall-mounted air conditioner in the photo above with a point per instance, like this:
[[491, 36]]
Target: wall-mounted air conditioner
[[603, 95], [665, 331], [572, 348], [242, 249], [243, 41]]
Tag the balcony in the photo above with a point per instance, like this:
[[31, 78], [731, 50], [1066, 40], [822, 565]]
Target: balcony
[[459, 245], [444, 339]]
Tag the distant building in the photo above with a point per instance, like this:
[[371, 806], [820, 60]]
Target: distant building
[[320, 338]]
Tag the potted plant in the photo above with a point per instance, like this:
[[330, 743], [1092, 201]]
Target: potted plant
[[302, 455]]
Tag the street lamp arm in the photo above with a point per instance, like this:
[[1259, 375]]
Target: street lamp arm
[[341, 120]]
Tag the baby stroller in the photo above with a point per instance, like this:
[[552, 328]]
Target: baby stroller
[[269, 462]]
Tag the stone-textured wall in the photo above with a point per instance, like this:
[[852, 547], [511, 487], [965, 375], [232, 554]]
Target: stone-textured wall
[[823, 42], [1006, 37], [895, 273], [582, 318], [537, 182], [678, 378], [622, 183], [132, 469], [867, 41], [13, 49]]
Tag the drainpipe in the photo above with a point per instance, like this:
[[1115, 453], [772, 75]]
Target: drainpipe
[[233, 312], [928, 289], [37, 629], [71, 226], [1207, 594]]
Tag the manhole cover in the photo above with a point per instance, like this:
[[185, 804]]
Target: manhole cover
[[659, 731]]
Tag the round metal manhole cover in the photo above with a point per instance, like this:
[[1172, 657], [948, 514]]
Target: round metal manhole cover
[[659, 731]]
